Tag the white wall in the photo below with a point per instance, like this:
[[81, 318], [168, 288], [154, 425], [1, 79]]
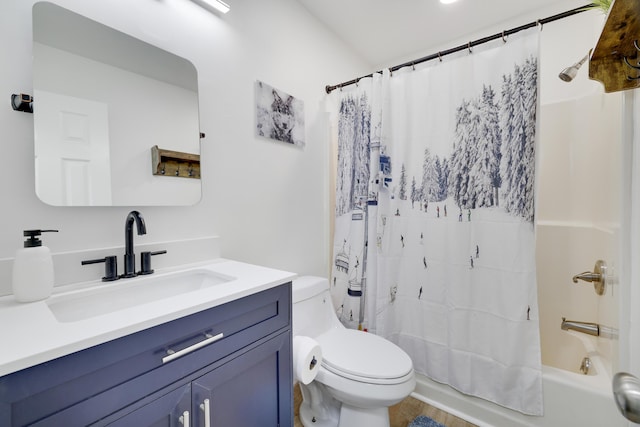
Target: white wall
[[267, 200]]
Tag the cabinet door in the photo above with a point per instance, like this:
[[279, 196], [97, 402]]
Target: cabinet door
[[251, 390], [169, 410]]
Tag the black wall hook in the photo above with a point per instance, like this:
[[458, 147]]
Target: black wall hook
[[22, 102]]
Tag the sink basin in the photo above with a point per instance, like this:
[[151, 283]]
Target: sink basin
[[127, 293]]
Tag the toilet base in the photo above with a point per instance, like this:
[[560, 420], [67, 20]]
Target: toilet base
[[349, 417], [371, 417], [318, 408], [308, 419]]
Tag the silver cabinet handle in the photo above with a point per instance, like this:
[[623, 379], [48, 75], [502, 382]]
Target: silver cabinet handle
[[184, 419], [206, 408], [176, 354]]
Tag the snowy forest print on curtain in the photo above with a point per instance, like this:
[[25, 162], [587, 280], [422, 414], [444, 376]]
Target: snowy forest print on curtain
[[436, 175]]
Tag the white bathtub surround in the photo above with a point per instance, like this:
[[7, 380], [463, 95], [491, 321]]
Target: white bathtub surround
[[570, 399], [448, 272]]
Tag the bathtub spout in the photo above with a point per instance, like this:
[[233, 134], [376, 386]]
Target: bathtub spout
[[584, 327]]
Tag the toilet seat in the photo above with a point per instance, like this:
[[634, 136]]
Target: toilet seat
[[364, 357]]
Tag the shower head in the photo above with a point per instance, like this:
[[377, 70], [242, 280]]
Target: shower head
[[571, 72], [568, 73]]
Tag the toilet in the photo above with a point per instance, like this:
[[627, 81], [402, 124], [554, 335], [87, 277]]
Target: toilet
[[361, 374]]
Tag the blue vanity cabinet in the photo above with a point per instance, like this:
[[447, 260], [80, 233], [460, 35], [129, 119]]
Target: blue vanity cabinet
[[251, 385], [245, 391], [169, 410], [245, 374]]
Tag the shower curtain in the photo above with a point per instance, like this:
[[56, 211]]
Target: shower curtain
[[434, 239]]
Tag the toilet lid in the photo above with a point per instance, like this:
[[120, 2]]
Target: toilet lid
[[363, 355]]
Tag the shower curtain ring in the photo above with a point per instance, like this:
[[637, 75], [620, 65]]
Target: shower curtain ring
[[504, 39], [413, 66], [469, 47], [539, 23], [439, 57]]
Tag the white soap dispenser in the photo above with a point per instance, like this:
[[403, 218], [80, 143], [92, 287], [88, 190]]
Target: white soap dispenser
[[33, 269]]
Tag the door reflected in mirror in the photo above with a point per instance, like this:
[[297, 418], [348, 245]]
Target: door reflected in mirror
[[102, 100]]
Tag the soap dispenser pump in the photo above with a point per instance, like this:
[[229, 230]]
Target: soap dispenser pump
[[33, 269]]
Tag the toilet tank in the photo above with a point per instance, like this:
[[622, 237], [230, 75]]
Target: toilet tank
[[313, 312]]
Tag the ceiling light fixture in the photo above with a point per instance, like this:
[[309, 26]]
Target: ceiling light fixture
[[448, 1], [217, 5]]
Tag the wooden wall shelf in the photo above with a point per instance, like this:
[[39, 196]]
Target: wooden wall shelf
[[620, 39], [174, 163]]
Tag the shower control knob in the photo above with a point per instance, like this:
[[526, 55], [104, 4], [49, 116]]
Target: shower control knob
[[598, 277]]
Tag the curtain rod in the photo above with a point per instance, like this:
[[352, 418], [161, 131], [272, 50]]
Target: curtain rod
[[469, 45]]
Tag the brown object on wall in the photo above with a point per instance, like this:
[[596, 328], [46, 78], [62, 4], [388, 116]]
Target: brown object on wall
[[174, 163], [615, 61]]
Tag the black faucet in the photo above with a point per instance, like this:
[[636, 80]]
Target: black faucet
[[129, 256]]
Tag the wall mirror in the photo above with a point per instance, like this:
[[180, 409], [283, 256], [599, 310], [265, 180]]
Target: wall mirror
[[102, 101]]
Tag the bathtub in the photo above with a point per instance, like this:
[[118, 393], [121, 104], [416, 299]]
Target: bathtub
[[570, 397]]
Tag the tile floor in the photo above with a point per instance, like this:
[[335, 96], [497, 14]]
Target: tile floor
[[402, 414]]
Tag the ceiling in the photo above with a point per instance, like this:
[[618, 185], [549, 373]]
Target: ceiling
[[388, 32]]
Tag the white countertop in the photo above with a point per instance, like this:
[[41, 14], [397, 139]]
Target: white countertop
[[30, 333]]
